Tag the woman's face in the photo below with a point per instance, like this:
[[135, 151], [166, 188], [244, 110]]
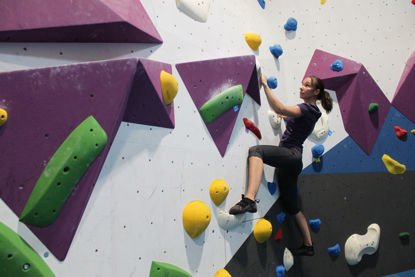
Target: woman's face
[[307, 90]]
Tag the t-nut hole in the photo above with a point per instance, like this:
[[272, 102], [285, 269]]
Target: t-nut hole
[[58, 183], [10, 256], [75, 157], [26, 266], [66, 169]]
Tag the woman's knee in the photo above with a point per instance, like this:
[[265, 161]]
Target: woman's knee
[[255, 151]]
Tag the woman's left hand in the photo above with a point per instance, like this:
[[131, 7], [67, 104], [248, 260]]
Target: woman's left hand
[[264, 79]]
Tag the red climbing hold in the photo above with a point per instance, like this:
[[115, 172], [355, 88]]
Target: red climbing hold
[[278, 234], [251, 126], [400, 133], [413, 2]]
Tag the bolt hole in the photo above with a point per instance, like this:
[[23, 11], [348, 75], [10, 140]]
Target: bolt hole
[[75, 157], [66, 169], [10, 256], [26, 266], [91, 95], [59, 183]]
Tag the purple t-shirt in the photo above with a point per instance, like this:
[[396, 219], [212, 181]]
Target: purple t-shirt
[[299, 128]]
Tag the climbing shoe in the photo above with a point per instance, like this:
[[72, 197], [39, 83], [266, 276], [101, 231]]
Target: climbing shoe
[[303, 250], [243, 206]]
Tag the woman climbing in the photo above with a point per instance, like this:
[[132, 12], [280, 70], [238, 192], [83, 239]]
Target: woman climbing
[[287, 157]]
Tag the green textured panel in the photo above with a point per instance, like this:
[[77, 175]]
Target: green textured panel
[[159, 269], [222, 102], [17, 258], [63, 172]]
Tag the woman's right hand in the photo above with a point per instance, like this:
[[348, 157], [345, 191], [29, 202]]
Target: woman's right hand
[[264, 79]]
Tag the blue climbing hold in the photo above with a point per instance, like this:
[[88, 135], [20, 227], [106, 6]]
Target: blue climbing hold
[[280, 270], [334, 251], [291, 24], [272, 82], [281, 217], [272, 187], [262, 3], [337, 65], [315, 223], [276, 50], [330, 132], [317, 151]]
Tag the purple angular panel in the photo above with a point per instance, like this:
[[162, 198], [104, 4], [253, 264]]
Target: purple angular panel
[[205, 79], [404, 95], [76, 21], [146, 104], [44, 106], [355, 90]]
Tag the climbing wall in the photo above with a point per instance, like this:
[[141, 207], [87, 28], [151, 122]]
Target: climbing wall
[[156, 165]]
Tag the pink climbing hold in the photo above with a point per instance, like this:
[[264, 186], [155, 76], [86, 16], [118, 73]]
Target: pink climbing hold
[[400, 133]]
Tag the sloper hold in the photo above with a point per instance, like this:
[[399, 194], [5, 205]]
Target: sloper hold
[[204, 79], [196, 9], [196, 218], [169, 86], [228, 221], [222, 273], [76, 21], [393, 166], [253, 40], [218, 191], [3, 117], [60, 98], [17, 258], [358, 245], [262, 230], [63, 172], [146, 104], [288, 259], [160, 269]]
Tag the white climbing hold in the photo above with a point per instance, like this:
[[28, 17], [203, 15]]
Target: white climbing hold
[[195, 9], [288, 259], [358, 245], [274, 120], [228, 221], [321, 129]]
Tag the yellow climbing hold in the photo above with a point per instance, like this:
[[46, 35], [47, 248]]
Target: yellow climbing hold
[[3, 116], [393, 166], [322, 2], [196, 217], [222, 273], [169, 86], [413, 131], [253, 40], [262, 230], [218, 191]]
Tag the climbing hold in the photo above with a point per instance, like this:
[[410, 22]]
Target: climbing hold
[[169, 86], [373, 107], [262, 230], [400, 133], [413, 2], [334, 251], [358, 245], [252, 127], [272, 187], [337, 65], [262, 3], [413, 131], [17, 258], [321, 128], [62, 173], [196, 217], [404, 236], [218, 191], [393, 166], [222, 273], [160, 269], [315, 224], [253, 40], [276, 50], [291, 24], [196, 9], [228, 221], [322, 2], [222, 102], [274, 120], [280, 270], [272, 82], [3, 117], [278, 235], [288, 259], [317, 151], [281, 217]]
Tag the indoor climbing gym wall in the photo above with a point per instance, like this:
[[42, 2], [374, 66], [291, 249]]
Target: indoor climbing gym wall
[[125, 128]]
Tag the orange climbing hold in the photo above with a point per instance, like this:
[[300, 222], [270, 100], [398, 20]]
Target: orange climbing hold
[[278, 235], [400, 133]]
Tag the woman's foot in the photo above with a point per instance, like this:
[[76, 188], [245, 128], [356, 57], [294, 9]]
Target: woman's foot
[[303, 250], [243, 206]]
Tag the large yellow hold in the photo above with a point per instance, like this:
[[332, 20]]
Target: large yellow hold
[[222, 273], [253, 40], [218, 191], [262, 230], [3, 117], [196, 217], [393, 166], [169, 86]]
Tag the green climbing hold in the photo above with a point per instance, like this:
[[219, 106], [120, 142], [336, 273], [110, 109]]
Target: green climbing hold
[[404, 235], [63, 172], [17, 258], [221, 103], [373, 107], [160, 269]]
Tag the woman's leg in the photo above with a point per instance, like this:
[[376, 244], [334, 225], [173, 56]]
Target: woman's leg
[[256, 167], [303, 226]]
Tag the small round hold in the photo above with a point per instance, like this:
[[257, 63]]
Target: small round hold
[[3, 117]]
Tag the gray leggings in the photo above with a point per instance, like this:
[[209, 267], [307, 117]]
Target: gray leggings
[[288, 163]]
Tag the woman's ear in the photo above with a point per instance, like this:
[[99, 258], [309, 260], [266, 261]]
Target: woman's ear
[[317, 92]]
